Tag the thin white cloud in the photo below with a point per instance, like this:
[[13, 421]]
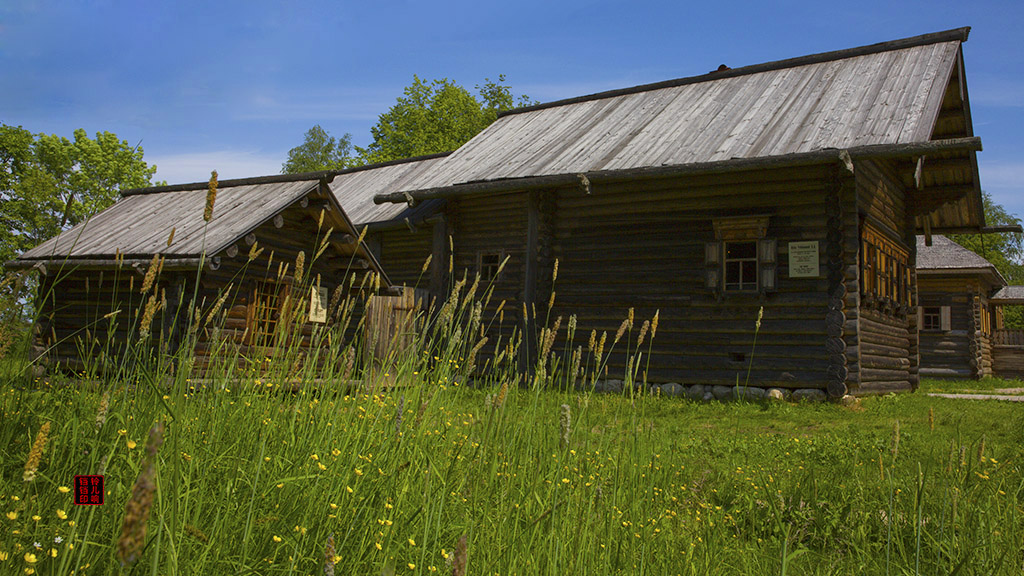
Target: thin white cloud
[[1002, 175], [1001, 91], [196, 166]]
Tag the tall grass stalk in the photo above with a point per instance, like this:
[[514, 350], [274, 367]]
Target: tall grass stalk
[[264, 460]]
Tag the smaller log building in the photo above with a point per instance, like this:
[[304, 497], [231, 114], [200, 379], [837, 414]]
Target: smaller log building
[[146, 269], [960, 314]]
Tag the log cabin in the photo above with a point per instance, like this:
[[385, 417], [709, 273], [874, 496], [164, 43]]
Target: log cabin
[[153, 266], [790, 191], [960, 314]]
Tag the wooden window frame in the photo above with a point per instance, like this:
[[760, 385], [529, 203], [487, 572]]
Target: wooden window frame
[[489, 272], [260, 316], [736, 265], [741, 230], [931, 318], [884, 269]]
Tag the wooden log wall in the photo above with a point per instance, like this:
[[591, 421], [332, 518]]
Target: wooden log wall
[[641, 245], [1008, 361], [403, 254], [888, 341], [493, 223], [947, 353], [95, 317]]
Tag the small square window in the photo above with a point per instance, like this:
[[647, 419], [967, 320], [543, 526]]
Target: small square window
[[488, 265], [931, 318], [740, 266]]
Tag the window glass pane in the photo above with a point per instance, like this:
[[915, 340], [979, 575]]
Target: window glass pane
[[734, 250], [732, 273], [749, 273]]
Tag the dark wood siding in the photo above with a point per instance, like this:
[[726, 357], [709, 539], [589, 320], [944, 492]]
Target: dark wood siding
[[491, 224], [888, 347], [641, 246], [403, 254]]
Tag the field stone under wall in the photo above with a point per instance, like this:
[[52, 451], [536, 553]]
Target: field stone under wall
[[706, 393]]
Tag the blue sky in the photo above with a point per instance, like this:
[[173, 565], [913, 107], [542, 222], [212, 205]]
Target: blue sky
[[233, 85]]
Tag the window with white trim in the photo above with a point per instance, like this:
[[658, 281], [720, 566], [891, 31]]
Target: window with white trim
[[742, 259]]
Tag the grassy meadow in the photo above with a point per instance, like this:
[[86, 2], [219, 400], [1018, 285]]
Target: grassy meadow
[[293, 470]]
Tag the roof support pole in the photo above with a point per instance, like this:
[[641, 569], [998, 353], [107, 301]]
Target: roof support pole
[[439, 258], [528, 351]]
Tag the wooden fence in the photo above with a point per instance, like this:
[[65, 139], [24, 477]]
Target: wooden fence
[[1008, 337]]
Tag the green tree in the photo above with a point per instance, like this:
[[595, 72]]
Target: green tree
[[1005, 251], [319, 151], [48, 182], [436, 116]]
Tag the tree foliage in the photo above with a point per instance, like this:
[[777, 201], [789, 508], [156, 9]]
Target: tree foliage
[[1005, 251], [436, 116], [320, 151], [429, 117], [48, 183]]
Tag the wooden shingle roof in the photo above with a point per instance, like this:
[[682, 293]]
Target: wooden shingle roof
[[140, 222], [880, 98], [138, 225], [945, 254]]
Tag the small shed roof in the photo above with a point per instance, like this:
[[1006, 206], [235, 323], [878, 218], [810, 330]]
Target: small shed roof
[[139, 224], [945, 254], [885, 96], [1013, 295]]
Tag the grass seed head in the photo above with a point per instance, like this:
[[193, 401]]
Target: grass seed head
[[643, 332], [101, 413], [330, 555], [152, 306], [36, 454], [211, 197], [502, 394], [151, 273], [300, 265], [255, 251], [139, 505], [565, 425], [461, 557], [170, 238], [622, 330]]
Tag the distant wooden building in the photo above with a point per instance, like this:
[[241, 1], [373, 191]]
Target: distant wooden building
[[955, 314], [960, 314], [795, 186], [98, 292]]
